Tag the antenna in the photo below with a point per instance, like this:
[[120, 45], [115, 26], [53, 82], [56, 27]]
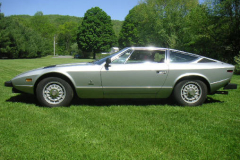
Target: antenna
[[0, 6]]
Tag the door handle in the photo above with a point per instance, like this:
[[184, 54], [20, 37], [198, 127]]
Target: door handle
[[161, 72]]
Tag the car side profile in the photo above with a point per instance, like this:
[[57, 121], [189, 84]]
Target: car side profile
[[134, 72]]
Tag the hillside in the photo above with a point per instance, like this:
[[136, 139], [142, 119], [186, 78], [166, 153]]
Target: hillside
[[58, 20]]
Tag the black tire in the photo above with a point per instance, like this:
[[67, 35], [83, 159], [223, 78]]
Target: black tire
[[190, 92], [54, 92]]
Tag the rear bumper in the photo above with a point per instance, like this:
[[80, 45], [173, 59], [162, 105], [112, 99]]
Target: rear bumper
[[8, 84], [230, 86]]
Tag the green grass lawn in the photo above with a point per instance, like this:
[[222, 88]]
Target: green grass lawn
[[115, 129]]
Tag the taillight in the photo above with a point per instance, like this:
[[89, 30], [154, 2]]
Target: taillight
[[230, 71]]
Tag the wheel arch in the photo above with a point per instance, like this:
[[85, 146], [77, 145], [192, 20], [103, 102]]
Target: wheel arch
[[194, 77], [55, 74]]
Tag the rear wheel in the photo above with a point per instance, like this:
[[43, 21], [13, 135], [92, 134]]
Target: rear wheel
[[190, 92], [54, 92]]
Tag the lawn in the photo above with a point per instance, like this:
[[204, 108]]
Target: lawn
[[115, 129]]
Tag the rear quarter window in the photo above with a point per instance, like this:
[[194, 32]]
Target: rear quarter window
[[176, 57]]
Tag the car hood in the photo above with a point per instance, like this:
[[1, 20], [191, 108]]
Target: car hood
[[69, 65], [43, 69]]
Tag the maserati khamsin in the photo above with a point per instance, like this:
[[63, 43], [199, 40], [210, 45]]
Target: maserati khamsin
[[134, 72]]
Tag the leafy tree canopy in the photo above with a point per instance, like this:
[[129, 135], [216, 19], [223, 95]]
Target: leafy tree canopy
[[19, 41], [67, 35], [96, 32], [211, 29], [129, 34]]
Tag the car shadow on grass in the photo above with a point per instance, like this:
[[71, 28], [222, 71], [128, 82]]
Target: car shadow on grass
[[24, 98], [211, 100], [31, 99], [133, 102], [121, 102]]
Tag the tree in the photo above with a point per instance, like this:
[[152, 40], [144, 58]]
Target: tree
[[96, 32], [227, 26], [163, 22], [42, 25], [198, 37], [237, 60], [129, 34], [19, 41], [214, 29], [67, 35], [1, 14]]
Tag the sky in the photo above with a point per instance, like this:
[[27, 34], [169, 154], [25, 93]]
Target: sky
[[117, 9]]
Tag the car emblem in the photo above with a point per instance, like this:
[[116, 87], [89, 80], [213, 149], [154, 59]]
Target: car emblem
[[90, 82]]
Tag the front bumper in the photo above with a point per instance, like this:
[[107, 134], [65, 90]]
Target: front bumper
[[8, 84]]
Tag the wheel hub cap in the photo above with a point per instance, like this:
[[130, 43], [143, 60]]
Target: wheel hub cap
[[54, 92], [191, 92]]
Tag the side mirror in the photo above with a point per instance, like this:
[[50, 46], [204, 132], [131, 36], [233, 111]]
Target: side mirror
[[108, 61]]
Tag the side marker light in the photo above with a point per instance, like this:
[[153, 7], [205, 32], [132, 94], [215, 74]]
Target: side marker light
[[29, 80]]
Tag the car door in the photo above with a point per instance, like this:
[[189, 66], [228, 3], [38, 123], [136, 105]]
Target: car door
[[135, 74]]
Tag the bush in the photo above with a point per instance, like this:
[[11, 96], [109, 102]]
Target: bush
[[237, 66]]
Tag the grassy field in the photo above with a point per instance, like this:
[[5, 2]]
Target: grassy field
[[129, 129]]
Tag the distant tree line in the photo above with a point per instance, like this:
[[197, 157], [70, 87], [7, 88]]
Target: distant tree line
[[24, 36], [211, 29]]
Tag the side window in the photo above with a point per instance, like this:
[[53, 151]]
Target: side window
[[140, 56], [122, 59], [181, 57], [159, 56]]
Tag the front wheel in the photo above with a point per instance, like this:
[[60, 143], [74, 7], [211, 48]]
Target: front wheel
[[54, 92], [190, 92]]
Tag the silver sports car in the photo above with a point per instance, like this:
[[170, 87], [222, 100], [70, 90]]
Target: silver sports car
[[135, 72]]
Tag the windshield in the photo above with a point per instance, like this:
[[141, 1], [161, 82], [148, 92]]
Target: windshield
[[101, 61]]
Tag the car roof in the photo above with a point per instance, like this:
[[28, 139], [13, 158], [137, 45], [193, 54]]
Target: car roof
[[147, 48], [163, 49]]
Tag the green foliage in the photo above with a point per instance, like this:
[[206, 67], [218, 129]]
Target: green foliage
[[96, 32], [129, 34], [227, 26], [47, 30], [67, 35], [74, 49], [19, 41], [117, 25], [42, 25], [211, 29], [58, 20], [162, 22], [197, 38], [1, 16], [214, 30], [237, 60], [43, 28]]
